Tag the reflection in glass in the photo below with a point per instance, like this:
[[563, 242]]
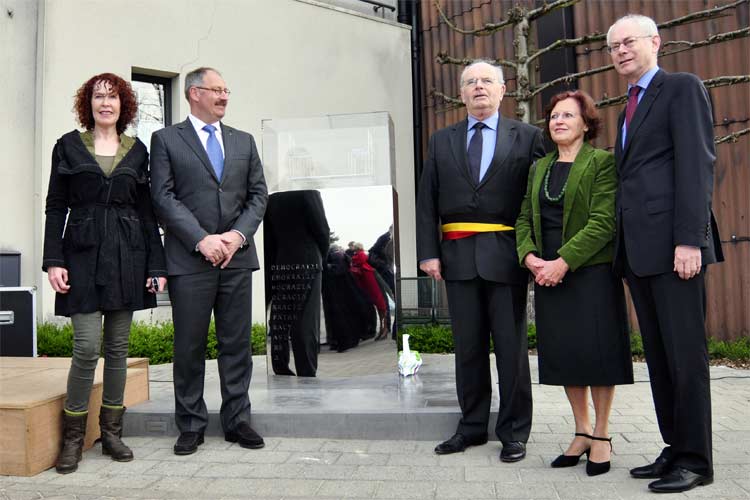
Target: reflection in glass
[[294, 249], [346, 162], [151, 114]]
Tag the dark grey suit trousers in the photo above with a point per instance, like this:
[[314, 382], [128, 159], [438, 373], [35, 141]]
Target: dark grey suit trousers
[[228, 294]]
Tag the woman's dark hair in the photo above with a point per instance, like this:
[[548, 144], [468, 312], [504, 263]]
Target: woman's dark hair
[[128, 104], [588, 111]]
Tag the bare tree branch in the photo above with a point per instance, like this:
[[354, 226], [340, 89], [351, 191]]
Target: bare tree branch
[[567, 42], [733, 137], [519, 17], [549, 7], [719, 37], [488, 28], [443, 58], [611, 101], [446, 98], [722, 81], [515, 15], [569, 78], [701, 15]]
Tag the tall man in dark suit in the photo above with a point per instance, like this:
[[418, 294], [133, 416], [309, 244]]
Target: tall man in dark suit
[[666, 235], [209, 192], [471, 190]]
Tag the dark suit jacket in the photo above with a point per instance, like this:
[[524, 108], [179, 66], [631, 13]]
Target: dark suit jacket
[[666, 176], [295, 231], [588, 209], [191, 202], [447, 193]]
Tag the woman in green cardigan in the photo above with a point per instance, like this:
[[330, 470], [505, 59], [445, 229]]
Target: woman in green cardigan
[[565, 237]]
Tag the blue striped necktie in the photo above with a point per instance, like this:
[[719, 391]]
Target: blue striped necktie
[[213, 148]]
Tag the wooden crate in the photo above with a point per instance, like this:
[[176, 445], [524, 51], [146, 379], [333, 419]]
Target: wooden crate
[[32, 392]]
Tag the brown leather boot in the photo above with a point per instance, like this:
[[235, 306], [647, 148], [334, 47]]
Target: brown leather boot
[[74, 428], [110, 423]]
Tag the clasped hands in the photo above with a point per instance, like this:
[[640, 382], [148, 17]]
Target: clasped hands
[[546, 272], [219, 249]]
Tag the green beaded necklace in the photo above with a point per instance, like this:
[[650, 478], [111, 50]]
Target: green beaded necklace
[[553, 199]]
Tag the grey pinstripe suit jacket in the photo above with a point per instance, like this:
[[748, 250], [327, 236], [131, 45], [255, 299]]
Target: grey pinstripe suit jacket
[[191, 202]]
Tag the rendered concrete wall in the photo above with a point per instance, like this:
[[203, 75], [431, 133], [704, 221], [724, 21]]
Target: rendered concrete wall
[[19, 174], [281, 58]]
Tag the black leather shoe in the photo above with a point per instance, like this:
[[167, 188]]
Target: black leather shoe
[[652, 471], [513, 451], [188, 443], [457, 443], [679, 479], [245, 436]]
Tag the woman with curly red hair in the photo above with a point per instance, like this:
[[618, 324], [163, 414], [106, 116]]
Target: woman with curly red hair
[[102, 254]]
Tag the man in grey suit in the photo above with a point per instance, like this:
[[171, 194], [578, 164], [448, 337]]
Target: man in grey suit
[[210, 195]]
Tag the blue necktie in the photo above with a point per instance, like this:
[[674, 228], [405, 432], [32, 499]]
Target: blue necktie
[[475, 151], [213, 148]]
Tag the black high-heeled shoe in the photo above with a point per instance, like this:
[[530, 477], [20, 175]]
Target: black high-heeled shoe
[[571, 460], [596, 468]]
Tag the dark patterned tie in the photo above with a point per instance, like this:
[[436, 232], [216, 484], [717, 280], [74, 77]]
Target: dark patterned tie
[[632, 104], [475, 151]]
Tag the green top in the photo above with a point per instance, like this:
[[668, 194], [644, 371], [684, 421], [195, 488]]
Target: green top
[[588, 209], [106, 163], [126, 143]]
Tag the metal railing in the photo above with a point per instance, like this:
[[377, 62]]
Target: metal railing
[[421, 300]]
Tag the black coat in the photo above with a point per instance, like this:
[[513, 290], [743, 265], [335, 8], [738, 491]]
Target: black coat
[[666, 176], [111, 242], [448, 194]]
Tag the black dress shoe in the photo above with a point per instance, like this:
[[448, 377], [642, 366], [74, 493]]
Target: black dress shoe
[[188, 443], [679, 479], [513, 451], [245, 436], [652, 471], [458, 443]]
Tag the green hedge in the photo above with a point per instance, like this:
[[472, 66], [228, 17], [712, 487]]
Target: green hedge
[[152, 341], [438, 339]]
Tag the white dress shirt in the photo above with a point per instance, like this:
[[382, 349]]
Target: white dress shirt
[[198, 125]]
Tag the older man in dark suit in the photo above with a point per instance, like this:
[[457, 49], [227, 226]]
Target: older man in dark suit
[[666, 235], [209, 192], [471, 190]]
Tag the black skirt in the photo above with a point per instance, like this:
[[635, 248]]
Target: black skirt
[[582, 330]]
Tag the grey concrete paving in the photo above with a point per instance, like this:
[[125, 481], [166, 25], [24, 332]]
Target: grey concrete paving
[[327, 468]]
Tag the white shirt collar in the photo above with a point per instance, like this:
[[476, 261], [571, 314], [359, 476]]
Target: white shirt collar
[[198, 125]]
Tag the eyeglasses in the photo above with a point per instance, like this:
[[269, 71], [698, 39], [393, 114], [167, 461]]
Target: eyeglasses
[[473, 82], [628, 43], [217, 92], [562, 116]]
